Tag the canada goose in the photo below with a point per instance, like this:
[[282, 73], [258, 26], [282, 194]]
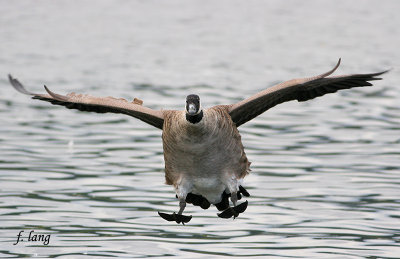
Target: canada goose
[[203, 152]]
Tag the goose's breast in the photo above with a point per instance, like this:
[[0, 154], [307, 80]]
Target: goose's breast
[[203, 153]]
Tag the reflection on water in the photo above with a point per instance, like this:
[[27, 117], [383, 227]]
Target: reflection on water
[[325, 180]]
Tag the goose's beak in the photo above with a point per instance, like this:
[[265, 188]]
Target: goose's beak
[[192, 109]]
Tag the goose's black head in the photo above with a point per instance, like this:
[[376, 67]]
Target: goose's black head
[[194, 113]]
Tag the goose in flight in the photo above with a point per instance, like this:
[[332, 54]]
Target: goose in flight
[[204, 156]]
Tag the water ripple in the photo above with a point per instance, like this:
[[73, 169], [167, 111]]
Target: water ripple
[[325, 173]]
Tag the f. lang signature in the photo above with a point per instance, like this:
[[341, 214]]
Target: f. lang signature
[[32, 237]]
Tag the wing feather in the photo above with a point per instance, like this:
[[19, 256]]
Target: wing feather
[[301, 89], [90, 103]]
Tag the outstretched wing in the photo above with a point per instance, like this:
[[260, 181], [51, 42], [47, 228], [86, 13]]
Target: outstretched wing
[[96, 104], [301, 89]]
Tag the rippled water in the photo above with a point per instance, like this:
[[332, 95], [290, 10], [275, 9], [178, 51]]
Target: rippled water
[[326, 173]]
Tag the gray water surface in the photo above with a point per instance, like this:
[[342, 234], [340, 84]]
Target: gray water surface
[[325, 180]]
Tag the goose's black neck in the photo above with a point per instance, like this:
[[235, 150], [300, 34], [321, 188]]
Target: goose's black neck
[[194, 118]]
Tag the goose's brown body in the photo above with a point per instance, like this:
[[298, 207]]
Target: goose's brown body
[[205, 158]]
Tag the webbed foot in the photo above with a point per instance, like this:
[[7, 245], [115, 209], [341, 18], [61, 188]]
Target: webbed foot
[[243, 191], [178, 218], [198, 200], [224, 203], [233, 211]]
